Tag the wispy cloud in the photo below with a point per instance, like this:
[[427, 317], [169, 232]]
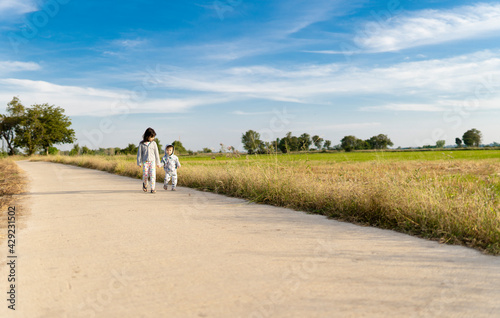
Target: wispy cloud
[[15, 66], [98, 102], [243, 113], [8, 8], [406, 107], [430, 27], [129, 43], [280, 33], [433, 79], [425, 86]]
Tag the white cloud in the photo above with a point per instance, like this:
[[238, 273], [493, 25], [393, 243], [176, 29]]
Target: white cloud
[[16, 7], [436, 80], [426, 86], [97, 102], [430, 27], [405, 107], [128, 43], [243, 113], [14, 66]]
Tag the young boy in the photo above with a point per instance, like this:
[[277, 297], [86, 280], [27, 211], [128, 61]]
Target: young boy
[[170, 164]]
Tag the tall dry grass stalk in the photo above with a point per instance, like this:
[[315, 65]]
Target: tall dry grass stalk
[[454, 201]]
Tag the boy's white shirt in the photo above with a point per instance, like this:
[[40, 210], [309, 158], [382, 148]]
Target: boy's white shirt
[[171, 163]]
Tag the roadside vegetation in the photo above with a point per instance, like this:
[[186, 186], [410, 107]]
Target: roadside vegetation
[[12, 182], [450, 196]]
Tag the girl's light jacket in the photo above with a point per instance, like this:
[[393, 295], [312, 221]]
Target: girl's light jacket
[[148, 151]]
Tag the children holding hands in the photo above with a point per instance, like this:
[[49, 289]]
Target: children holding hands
[[148, 157]]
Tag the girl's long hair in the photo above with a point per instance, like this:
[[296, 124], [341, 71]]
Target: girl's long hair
[[150, 132]]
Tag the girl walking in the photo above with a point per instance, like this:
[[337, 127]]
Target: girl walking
[[149, 158]]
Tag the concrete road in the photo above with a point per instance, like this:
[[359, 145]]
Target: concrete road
[[92, 244]]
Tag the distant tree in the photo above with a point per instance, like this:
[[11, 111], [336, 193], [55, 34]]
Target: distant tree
[[294, 143], [289, 143], [158, 143], [305, 142], [458, 141], [380, 141], [361, 144], [495, 144], [207, 150], [75, 151], [53, 151], [251, 141], [275, 144], [268, 147], [130, 149], [179, 148], [472, 137], [348, 143], [317, 141], [86, 151], [440, 143], [327, 144]]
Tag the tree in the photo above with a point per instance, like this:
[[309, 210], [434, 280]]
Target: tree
[[158, 143], [251, 141], [380, 141], [288, 143], [9, 123], [86, 151], [75, 151], [348, 143], [362, 144], [440, 143], [207, 150], [327, 144], [318, 141], [42, 126], [472, 138], [305, 142], [458, 141], [130, 149], [179, 148], [53, 151]]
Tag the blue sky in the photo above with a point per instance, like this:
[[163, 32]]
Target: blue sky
[[207, 71]]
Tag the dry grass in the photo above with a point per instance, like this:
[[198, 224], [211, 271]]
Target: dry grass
[[455, 201], [12, 182]]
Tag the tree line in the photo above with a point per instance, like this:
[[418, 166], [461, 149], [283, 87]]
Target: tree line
[[253, 144]]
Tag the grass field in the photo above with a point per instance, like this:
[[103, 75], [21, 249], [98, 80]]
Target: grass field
[[452, 196]]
